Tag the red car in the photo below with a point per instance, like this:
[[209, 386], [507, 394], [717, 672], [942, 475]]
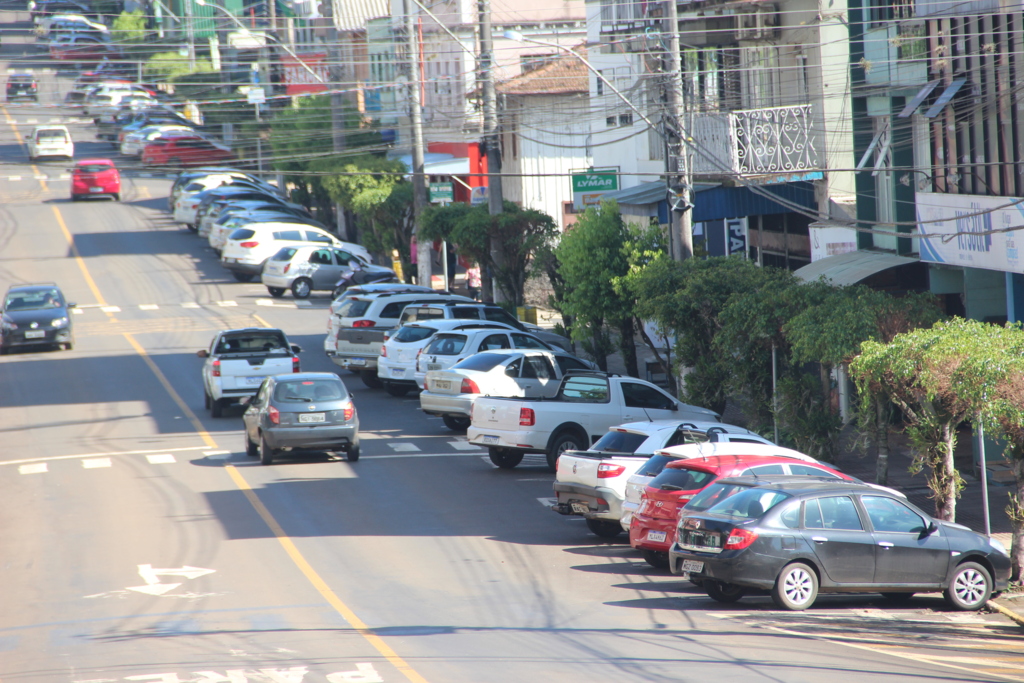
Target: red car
[[83, 49], [185, 151], [95, 178], [653, 527]]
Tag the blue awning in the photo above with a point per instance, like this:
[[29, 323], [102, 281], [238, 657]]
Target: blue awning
[[716, 203]]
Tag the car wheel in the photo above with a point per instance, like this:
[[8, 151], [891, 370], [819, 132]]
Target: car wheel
[[796, 587], [276, 292], [243, 277], [604, 528], [216, 407], [505, 458], [563, 441], [192, 227], [117, 196], [266, 452], [206, 399], [352, 453], [723, 592], [970, 587], [655, 558], [370, 378], [456, 424], [68, 346], [400, 390], [897, 597], [251, 449], [302, 288]]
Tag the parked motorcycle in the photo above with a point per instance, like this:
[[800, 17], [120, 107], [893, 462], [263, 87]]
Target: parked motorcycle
[[358, 274]]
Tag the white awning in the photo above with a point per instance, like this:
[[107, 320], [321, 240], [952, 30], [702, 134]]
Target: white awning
[[852, 267]]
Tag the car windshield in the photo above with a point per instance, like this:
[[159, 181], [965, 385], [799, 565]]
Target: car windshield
[[619, 442], [27, 301], [679, 479], [410, 334], [309, 391], [446, 345], [749, 504], [253, 342], [480, 361], [93, 168]]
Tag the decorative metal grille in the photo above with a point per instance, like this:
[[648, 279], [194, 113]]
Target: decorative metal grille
[[774, 140]]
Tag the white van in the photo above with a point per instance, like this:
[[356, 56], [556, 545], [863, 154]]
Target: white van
[[50, 141]]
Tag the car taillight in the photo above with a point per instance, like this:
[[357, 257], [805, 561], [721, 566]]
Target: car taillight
[[295, 364], [350, 410], [216, 368], [469, 387], [527, 418], [249, 245], [740, 539], [286, 267], [383, 351], [364, 323], [609, 471], [274, 414]]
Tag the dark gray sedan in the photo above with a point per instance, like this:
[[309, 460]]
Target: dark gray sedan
[[35, 315], [305, 411], [797, 539]]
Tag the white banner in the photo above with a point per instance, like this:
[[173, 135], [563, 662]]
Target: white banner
[[967, 214]]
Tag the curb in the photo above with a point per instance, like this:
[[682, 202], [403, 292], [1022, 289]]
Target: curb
[[1008, 613]]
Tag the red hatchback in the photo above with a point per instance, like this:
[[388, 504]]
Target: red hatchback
[[185, 151], [653, 527], [95, 178]]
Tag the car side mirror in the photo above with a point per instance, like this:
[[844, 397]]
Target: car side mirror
[[71, 304], [675, 407], [296, 348], [203, 354], [932, 528]]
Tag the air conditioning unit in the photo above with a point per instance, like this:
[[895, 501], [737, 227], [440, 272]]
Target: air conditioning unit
[[761, 22]]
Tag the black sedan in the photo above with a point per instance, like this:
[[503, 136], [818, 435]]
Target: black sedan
[[797, 539], [35, 315]]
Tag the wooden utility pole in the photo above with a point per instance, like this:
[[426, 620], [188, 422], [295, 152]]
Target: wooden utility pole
[[419, 179]]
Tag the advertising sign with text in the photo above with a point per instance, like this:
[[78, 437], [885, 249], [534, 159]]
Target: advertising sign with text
[[967, 221], [298, 80]]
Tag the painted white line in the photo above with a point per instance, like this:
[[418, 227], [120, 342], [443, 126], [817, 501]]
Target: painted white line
[[264, 302], [399, 447], [40, 177], [190, 304], [14, 177], [548, 502], [464, 446], [33, 469], [110, 309], [94, 455], [77, 311], [217, 455], [161, 459], [226, 304], [303, 303], [148, 307], [94, 463]]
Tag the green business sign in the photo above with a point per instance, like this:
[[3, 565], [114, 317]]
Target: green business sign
[[442, 192], [588, 188]]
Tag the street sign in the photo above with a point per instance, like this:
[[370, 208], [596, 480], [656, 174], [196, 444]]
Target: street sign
[[588, 188], [257, 96], [441, 192], [478, 196]]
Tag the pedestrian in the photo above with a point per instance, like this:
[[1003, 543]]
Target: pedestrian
[[473, 282]]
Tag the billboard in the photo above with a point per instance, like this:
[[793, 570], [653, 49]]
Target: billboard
[[588, 188], [298, 80], [964, 223]]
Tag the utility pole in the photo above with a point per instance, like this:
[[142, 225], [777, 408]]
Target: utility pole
[[677, 160], [495, 197], [336, 76], [419, 180]]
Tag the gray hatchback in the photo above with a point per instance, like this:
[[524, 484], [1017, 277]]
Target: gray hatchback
[[305, 411]]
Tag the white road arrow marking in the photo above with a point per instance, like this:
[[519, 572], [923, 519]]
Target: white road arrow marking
[[152, 578], [155, 589]]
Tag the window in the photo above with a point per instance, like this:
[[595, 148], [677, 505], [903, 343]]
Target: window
[[500, 315], [625, 119], [465, 312], [751, 503], [680, 479], [242, 234], [807, 470], [610, 122], [525, 341], [480, 361], [623, 442], [285, 254], [343, 257], [684, 435], [709, 497], [537, 367], [567, 363], [494, 341], [890, 515], [307, 391], [253, 342], [393, 310], [446, 345], [790, 517], [321, 257], [762, 470], [642, 396], [585, 390], [314, 236], [289, 235], [353, 308], [832, 512], [408, 334], [514, 368]]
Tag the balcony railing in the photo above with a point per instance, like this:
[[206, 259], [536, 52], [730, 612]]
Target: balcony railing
[[755, 142]]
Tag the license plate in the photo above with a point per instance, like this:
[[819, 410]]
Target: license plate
[[357, 361], [312, 417], [442, 384], [691, 567], [95, 189], [397, 372], [35, 334], [656, 536], [580, 508], [489, 438], [433, 366], [254, 381]]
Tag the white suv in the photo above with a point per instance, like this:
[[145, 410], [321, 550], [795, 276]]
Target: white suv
[[356, 328], [248, 248], [448, 348]]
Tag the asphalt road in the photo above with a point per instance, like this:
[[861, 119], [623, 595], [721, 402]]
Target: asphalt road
[[139, 543]]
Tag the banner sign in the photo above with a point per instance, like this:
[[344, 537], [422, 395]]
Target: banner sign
[[970, 218], [298, 80], [588, 188]]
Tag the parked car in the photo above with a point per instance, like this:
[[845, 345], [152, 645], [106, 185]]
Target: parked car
[[115, 132], [240, 190], [448, 348], [229, 222], [95, 178], [107, 108], [22, 86], [247, 249], [68, 23], [184, 151], [50, 141], [534, 373], [35, 315], [40, 9], [478, 311], [135, 142], [206, 216], [305, 269], [186, 198], [308, 411], [237, 362], [211, 176], [799, 539], [82, 48], [652, 530]]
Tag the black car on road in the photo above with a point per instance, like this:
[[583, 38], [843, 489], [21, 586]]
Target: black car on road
[[22, 86], [35, 315], [799, 538]]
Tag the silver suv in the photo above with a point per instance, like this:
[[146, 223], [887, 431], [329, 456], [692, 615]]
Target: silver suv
[[454, 310]]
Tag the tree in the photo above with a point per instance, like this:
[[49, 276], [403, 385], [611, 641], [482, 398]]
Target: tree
[[166, 66], [129, 27]]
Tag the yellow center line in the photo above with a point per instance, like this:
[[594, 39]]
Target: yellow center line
[[81, 263], [21, 141]]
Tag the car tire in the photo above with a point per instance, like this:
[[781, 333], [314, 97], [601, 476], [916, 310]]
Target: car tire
[[75, 197], [117, 196], [370, 378], [456, 424], [251, 449], [796, 587], [302, 288], [206, 399], [562, 441], [720, 591], [605, 528], [970, 587], [397, 390], [898, 597], [505, 458], [655, 558], [68, 346], [276, 292], [352, 453], [216, 407], [242, 277], [266, 452]]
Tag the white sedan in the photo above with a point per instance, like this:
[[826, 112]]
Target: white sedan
[[135, 141], [519, 373]]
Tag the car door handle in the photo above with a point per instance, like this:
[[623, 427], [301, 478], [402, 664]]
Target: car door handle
[[818, 539], [885, 544]]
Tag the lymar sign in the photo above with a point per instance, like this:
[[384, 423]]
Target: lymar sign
[[588, 188]]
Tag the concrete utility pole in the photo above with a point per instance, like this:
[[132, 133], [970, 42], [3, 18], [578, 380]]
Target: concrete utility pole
[[679, 181], [336, 76], [419, 180], [495, 196]]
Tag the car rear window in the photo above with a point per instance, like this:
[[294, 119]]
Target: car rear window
[[446, 345], [654, 465], [309, 391], [51, 135], [353, 308], [263, 341], [619, 442], [480, 361], [93, 168], [410, 334], [242, 234], [749, 504], [585, 390], [678, 479], [285, 254], [712, 495]]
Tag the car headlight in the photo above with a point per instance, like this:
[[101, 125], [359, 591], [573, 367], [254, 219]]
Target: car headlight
[[59, 322], [998, 546]]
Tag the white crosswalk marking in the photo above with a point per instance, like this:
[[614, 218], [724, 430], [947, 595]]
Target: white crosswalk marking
[[161, 459], [110, 309], [94, 463], [148, 307], [77, 311], [399, 447], [264, 302], [36, 468], [190, 304], [463, 446], [226, 303]]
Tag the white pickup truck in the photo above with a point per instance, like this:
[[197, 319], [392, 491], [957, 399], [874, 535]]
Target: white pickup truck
[[238, 361], [586, 405]]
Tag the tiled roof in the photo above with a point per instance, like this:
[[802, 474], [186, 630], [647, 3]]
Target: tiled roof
[[561, 76], [351, 15]]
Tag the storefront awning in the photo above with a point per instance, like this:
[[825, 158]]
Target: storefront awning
[[852, 267]]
